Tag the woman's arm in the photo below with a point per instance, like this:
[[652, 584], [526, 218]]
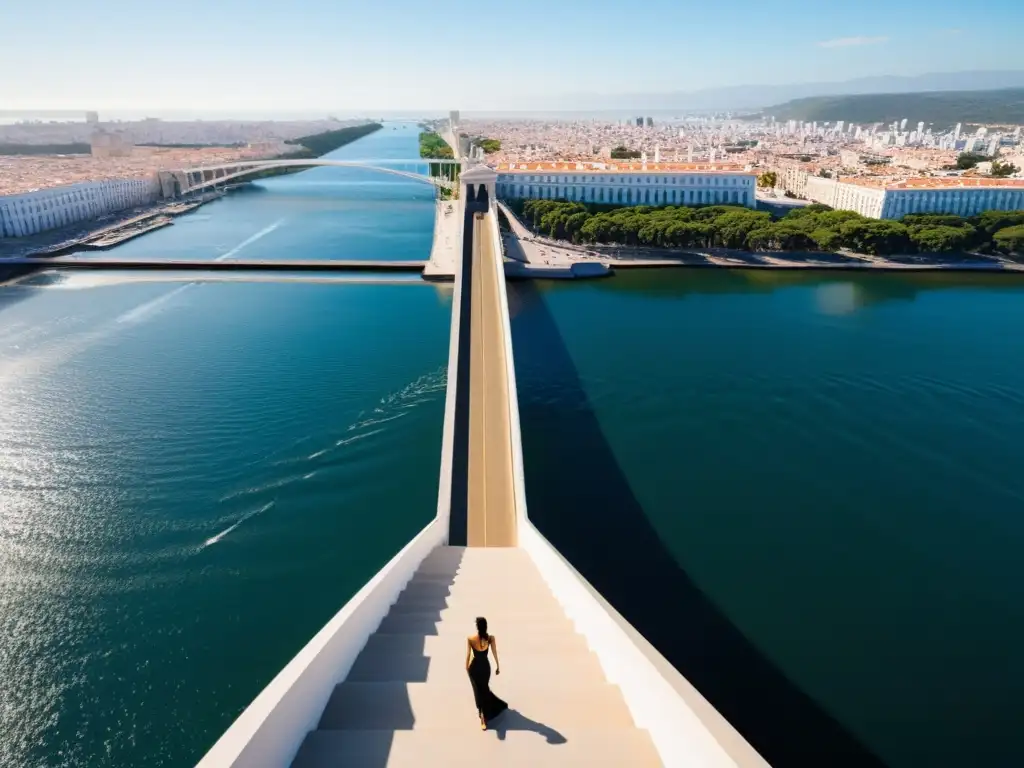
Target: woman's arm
[[469, 652], [497, 662]]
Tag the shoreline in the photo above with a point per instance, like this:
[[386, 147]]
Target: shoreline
[[541, 253]]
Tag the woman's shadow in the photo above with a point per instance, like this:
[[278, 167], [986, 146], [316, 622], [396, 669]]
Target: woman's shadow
[[514, 720]]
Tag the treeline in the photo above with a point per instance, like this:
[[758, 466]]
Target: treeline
[[942, 108], [320, 144], [814, 228], [45, 149], [489, 146], [623, 153], [432, 146]]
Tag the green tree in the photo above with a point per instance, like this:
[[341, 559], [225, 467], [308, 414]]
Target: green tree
[[1001, 170], [940, 239], [967, 160], [878, 237], [991, 222], [434, 147], [622, 153], [934, 220], [731, 228], [827, 239], [1010, 240], [767, 179]]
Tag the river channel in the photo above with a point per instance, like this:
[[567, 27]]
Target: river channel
[[804, 489]]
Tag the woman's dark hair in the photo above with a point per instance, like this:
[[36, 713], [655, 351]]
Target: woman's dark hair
[[481, 628]]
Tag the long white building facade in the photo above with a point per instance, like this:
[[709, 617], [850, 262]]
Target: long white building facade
[[626, 183], [884, 199], [34, 212]]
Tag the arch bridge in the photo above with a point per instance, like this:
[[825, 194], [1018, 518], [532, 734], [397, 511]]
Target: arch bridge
[[439, 173]]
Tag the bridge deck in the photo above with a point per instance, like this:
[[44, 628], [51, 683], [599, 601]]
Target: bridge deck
[[491, 518], [270, 265], [407, 700]]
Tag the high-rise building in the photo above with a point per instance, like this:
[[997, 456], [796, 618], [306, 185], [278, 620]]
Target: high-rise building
[[956, 133], [650, 122], [92, 117], [903, 124], [920, 128], [640, 122]]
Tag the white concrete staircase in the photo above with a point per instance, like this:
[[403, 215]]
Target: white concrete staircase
[[407, 700]]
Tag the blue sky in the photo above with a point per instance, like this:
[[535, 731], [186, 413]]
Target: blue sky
[[399, 54]]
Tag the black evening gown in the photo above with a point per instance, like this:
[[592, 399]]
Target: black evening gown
[[480, 675]]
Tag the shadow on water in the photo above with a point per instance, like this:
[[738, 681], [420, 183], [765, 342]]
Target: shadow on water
[[871, 288], [582, 502], [18, 285]]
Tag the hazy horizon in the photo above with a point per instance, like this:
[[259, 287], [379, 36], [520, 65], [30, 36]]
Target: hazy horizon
[[258, 56]]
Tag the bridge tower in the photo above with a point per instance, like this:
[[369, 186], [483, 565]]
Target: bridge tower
[[477, 179]]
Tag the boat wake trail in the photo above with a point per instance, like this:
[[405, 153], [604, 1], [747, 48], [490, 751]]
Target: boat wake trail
[[347, 440], [247, 516], [140, 312], [250, 240], [391, 407]]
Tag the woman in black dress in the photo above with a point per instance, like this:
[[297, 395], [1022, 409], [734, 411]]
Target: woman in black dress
[[488, 706]]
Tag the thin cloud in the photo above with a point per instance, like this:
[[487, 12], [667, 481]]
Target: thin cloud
[[848, 42]]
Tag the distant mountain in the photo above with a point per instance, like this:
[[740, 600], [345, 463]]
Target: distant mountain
[[940, 109], [748, 97]]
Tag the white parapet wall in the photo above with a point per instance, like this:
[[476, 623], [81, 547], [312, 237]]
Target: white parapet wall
[[271, 729], [685, 728]]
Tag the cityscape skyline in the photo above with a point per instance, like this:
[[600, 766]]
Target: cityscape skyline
[[237, 56]]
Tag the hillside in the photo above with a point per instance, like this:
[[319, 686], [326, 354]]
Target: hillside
[[942, 109]]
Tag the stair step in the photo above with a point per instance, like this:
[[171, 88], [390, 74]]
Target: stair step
[[462, 610], [515, 741], [430, 624], [403, 706], [530, 577], [564, 669], [432, 646], [525, 595]]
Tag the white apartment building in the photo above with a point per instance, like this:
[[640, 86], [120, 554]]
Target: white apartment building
[[961, 196], [33, 212], [867, 201], [629, 183], [888, 199]]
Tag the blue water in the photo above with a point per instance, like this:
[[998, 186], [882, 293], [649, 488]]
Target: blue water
[[806, 490], [195, 476], [321, 213]]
